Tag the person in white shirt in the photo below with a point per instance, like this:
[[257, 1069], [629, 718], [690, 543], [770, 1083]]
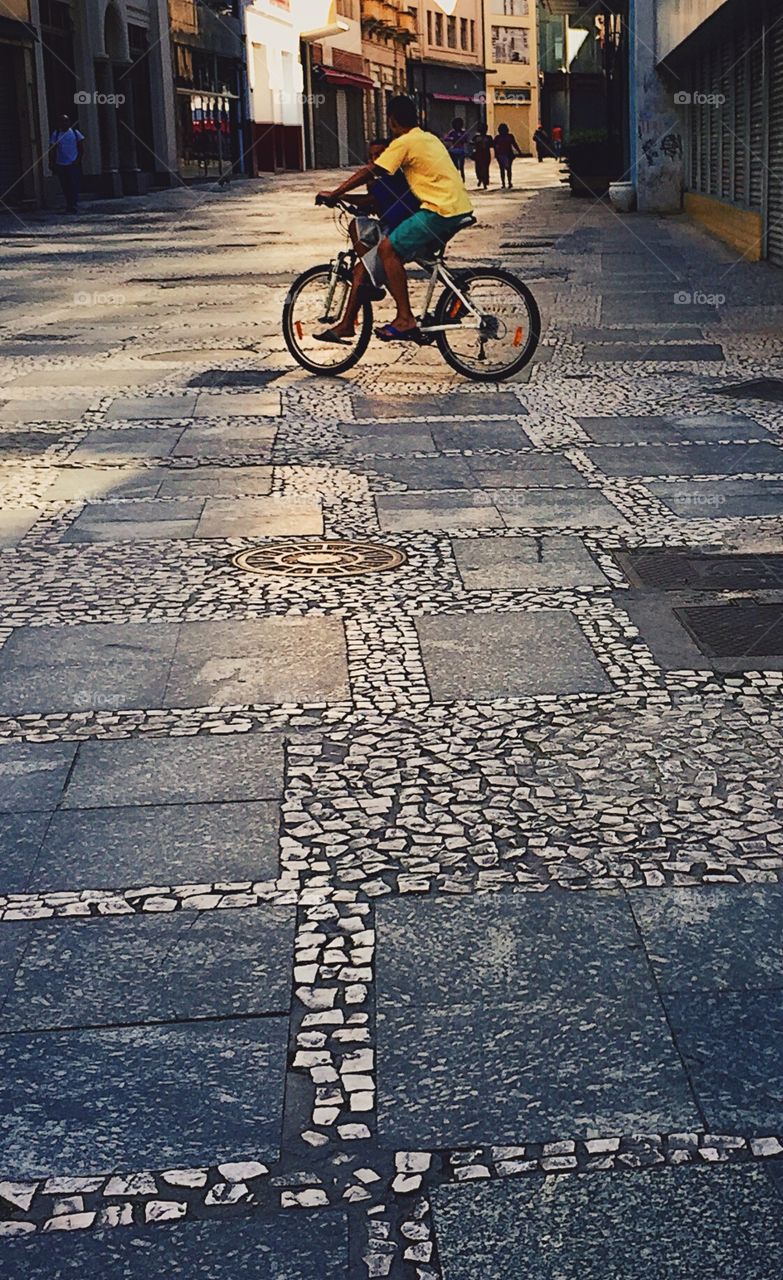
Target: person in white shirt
[[66, 146]]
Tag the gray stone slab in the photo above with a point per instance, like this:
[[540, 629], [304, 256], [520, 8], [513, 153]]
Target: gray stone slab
[[33, 774], [427, 473], [437, 510], [732, 1047], [639, 333], [95, 530], [525, 471], [722, 499], [479, 435], [557, 508], [664, 1224], [15, 522], [687, 460], [75, 484], [246, 404], [560, 1034], [205, 769], [16, 935], [216, 480], [672, 647], [663, 352], [714, 938], [85, 667], [520, 563], [154, 1097], [125, 847], [260, 517], [131, 442], [472, 404], [138, 511], [151, 408], [218, 441], [384, 444], [309, 1246], [270, 660], [669, 430], [151, 968], [62, 409], [507, 655], [21, 836]]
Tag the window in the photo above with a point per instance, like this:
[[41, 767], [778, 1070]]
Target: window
[[511, 8], [463, 33], [429, 26], [451, 32], [510, 44], [438, 28], [472, 34]]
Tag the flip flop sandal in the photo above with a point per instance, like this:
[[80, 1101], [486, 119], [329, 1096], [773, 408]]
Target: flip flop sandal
[[329, 335], [388, 333]]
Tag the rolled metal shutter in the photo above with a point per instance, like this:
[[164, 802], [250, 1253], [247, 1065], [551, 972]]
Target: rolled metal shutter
[[741, 139], [713, 125], [699, 115], [725, 114], [757, 120], [775, 172]]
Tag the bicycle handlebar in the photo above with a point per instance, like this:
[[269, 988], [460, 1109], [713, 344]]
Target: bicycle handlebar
[[341, 202]]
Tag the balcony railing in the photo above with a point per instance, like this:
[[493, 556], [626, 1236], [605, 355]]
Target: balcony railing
[[380, 17]]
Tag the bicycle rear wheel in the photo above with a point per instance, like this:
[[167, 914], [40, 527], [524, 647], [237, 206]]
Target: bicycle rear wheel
[[503, 339], [312, 306]]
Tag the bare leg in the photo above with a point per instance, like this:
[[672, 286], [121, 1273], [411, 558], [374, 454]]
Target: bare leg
[[397, 282], [345, 326]]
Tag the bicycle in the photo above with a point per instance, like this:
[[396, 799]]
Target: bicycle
[[486, 323]]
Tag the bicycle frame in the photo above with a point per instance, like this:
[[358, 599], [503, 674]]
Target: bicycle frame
[[342, 269]]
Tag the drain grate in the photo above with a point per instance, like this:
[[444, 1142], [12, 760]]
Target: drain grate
[[235, 377], [332, 559], [735, 631], [759, 389], [681, 570]]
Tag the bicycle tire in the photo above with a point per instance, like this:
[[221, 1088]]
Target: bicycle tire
[[363, 336], [447, 300]]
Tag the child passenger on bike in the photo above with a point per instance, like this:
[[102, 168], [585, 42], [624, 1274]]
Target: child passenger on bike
[[437, 185], [389, 201]]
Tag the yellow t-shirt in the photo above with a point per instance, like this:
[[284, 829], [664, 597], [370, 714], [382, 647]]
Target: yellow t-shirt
[[429, 170]]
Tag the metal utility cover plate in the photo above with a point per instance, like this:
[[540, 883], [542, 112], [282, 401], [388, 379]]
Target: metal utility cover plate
[[683, 571], [324, 559], [235, 377], [758, 389], [732, 631]]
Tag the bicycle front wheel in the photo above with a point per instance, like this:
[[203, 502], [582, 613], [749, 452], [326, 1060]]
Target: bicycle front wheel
[[315, 302], [498, 341]]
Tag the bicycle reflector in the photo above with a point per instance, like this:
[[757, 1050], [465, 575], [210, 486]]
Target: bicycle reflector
[[518, 337]]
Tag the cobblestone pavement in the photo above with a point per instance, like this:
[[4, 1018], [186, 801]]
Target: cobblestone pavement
[[414, 911]]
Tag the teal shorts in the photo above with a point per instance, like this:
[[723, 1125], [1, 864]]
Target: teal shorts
[[423, 233]]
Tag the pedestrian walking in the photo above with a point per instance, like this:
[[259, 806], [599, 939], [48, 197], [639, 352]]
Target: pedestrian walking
[[506, 149], [542, 144], [66, 146], [482, 156], [557, 141], [456, 143]]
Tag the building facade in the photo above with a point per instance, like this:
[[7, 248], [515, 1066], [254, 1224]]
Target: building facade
[[511, 45], [719, 69], [388, 32], [447, 75], [20, 178]]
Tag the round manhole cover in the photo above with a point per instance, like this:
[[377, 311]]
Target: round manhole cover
[[333, 559]]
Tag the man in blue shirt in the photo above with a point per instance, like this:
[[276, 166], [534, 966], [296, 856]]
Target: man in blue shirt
[[392, 201], [65, 159]]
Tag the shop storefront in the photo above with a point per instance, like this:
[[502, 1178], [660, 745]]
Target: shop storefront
[[445, 91], [207, 51]]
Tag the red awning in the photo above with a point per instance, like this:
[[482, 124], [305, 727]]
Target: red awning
[[348, 79], [452, 97]]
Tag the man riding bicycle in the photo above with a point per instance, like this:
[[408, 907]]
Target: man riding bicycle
[[435, 182]]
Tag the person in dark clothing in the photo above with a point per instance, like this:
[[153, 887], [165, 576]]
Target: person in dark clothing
[[482, 156], [388, 202], [456, 143], [66, 146], [506, 148], [542, 143]]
